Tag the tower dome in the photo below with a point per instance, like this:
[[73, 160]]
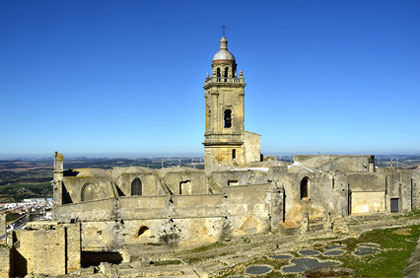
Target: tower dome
[[223, 54]]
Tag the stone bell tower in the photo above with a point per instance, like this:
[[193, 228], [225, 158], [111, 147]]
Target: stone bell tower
[[226, 141]]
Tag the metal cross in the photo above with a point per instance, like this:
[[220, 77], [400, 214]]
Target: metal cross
[[223, 29]]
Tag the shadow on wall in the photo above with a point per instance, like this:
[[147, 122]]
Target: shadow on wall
[[19, 265], [95, 258], [70, 173]]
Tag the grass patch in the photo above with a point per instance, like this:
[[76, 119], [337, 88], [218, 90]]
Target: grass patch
[[207, 247], [397, 244], [193, 260]]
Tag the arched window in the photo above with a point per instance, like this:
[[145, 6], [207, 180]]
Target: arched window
[[88, 192], [136, 187], [218, 74], [304, 188], [226, 73], [228, 118]]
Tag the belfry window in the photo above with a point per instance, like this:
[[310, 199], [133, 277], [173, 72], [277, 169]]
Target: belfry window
[[136, 187], [226, 73], [304, 188], [218, 74], [228, 118]]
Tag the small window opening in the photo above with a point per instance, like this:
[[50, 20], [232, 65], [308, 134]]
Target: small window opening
[[233, 182], [333, 183], [218, 74], [142, 230], [226, 73], [234, 154], [185, 187], [304, 188], [228, 118]]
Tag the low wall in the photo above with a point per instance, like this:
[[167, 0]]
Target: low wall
[[86, 211]]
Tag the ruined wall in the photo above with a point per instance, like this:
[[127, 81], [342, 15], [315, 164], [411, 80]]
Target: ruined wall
[[177, 220], [342, 163], [399, 186], [247, 209], [4, 261], [368, 192], [149, 181], [58, 179], [366, 182], [87, 211], [46, 249], [102, 187], [73, 246], [327, 195], [372, 192], [117, 182], [182, 220], [242, 176], [368, 202], [252, 147], [22, 256], [186, 182]]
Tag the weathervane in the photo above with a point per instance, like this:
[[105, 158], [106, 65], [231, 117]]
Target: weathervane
[[223, 29]]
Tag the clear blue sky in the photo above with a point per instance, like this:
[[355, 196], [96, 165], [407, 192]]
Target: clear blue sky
[[127, 76]]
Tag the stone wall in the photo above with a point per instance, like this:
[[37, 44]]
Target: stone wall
[[372, 192], [3, 235], [183, 208], [4, 261], [216, 156], [102, 187], [344, 163], [177, 220], [252, 147], [368, 202], [150, 183], [46, 249], [368, 192], [186, 182], [73, 246], [415, 184]]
